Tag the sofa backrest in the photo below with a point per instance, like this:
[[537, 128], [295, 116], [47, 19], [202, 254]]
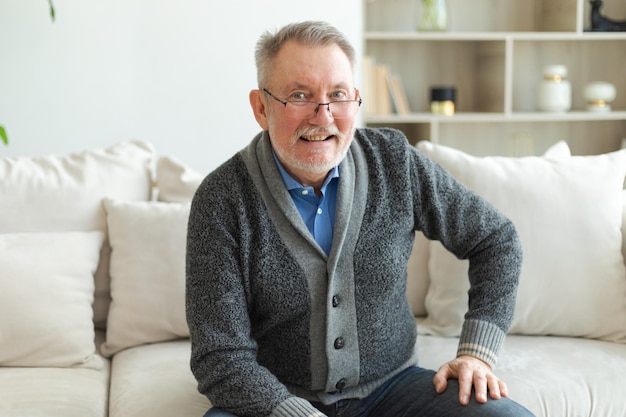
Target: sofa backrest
[[66, 193]]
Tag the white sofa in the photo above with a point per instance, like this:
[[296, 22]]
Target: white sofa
[[116, 345]]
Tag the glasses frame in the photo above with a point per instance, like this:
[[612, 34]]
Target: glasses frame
[[294, 102]]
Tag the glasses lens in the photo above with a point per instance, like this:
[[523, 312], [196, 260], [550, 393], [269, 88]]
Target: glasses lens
[[342, 109], [300, 110], [307, 110]]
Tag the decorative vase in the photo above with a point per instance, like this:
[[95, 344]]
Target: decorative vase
[[555, 92], [434, 16]]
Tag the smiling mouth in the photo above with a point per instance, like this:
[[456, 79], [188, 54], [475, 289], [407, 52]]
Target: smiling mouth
[[316, 138]]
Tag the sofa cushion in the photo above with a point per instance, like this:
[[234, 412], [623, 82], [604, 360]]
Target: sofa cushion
[[170, 381], [64, 192], [46, 294], [551, 376], [54, 392], [568, 213], [147, 273]]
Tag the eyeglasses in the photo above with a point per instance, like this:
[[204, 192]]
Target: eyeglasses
[[302, 109]]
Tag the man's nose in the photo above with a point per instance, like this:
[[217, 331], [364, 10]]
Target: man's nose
[[322, 116]]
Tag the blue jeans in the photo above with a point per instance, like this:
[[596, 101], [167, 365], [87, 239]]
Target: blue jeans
[[411, 393]]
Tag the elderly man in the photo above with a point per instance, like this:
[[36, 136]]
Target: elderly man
[[297, 251]]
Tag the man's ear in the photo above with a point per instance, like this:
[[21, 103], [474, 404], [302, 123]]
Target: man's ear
[[257, 103]]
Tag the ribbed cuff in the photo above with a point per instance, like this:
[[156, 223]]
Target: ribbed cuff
[[296, 407], [482, 340]]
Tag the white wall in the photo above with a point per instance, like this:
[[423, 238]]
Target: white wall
[[174, 72]]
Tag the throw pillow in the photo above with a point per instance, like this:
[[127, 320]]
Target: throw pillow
[[417, 267], [148, 241], [46, 292], [176, 182], [57, 193], [558, 150], [568, 213]]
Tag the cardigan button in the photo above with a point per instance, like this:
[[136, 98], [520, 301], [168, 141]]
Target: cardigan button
[[341, 384], [336, 300], [339, 343]]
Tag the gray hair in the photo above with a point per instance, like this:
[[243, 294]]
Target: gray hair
[[310, 33]]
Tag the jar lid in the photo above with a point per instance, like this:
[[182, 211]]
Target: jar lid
[[599, 90], [443, 94], [551, 70]]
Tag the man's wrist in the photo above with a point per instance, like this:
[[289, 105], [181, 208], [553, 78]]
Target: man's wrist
[[296, 406], [482, 340]]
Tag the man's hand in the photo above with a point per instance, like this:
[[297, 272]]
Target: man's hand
[[470, 371]]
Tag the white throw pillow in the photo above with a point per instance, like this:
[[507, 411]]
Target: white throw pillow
[[568, 213], [176, 182], [46, 292], [417, 267], [57, 193], [148, 241], [558, 150]]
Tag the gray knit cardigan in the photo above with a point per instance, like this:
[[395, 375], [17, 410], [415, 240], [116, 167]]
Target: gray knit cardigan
[[275, 322]]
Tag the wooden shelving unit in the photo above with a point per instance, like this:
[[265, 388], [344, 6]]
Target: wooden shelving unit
[[494, 53]]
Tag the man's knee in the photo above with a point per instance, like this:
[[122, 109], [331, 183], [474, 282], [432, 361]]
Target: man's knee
[[504, 407]]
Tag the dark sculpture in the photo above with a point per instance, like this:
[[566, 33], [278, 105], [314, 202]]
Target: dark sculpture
[[600, 23]]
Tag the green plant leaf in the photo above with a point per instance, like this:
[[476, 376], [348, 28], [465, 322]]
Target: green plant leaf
[[51, 10], [3, 135]]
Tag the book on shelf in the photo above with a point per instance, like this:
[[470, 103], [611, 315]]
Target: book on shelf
[[398, 94], [367, 89], [382, 91], [375, 92], [382, 94]]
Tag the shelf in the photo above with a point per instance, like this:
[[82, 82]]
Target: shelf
[[458, 117], [494, 36]]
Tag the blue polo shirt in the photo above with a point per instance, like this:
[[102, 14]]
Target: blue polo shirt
[[318, 213]]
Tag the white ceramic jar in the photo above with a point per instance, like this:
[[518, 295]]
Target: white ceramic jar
[[555, 92], [599, 95]]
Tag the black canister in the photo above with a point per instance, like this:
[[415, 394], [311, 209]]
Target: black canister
[[442, 100]]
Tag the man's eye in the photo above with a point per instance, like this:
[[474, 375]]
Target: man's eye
[[298, 96], [339, 95]]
